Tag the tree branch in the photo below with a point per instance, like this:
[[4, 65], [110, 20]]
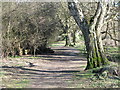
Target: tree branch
[[113, 38]]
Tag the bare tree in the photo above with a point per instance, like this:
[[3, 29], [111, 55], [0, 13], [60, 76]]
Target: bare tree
[[92, 31], [27, 26]]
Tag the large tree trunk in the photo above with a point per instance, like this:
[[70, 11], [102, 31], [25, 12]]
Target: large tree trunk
[[91, 33]]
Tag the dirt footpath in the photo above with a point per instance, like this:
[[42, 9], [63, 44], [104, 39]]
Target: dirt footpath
[[50, 71], [57, 70]]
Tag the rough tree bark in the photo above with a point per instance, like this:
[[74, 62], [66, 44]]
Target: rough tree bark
[[91, 33]]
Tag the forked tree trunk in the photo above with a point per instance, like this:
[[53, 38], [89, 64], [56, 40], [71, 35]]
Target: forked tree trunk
[[91, 33]]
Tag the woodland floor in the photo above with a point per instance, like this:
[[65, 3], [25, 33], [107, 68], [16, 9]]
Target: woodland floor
[[62, 69], [48, 71]]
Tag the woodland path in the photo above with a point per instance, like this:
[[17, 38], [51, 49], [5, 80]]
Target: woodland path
[[56, 71], [52, 70]]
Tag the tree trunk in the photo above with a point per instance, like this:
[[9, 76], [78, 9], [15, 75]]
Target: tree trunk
[[91, 33], [34, 51], [66, 40], [74, 37], [114, 32], [66, 34], [69, 39], [20, 50]]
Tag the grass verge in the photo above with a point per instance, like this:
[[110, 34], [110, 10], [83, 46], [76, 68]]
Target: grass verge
[[10, 80], [86, 79]]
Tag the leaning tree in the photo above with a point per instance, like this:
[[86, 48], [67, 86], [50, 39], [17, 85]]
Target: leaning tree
[[92, 30]]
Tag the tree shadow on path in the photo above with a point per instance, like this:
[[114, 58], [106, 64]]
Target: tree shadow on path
[[51, 70]]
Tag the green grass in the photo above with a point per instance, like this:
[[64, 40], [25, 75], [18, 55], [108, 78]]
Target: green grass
[[14, 56], [113, 53], [82, 66], [55, 44], [8, 82], [116, 55], [11, 80], [84, 75], [113, 49], [19, 64], [2, 73], [86, 79], [32, 57], [22, 83], [59, 41], [80, 47], [17, 83]]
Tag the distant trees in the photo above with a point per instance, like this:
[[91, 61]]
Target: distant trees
[[27, 26], [68, 25], [111, 28]]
